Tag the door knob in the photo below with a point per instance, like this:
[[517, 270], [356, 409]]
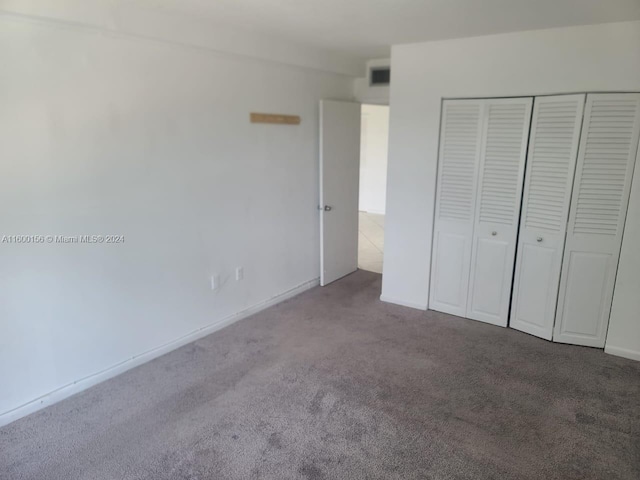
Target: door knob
[[539, 239], [494, 233], [327, 208]]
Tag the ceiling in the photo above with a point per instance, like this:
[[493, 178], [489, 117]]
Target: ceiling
[[367, 28]]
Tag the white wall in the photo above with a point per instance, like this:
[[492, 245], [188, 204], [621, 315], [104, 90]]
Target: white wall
[[153, 22], [577, 59], [108, 134], [374, 143]]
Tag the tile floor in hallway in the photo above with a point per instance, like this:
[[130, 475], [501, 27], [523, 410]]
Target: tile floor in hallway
[[370, 241]]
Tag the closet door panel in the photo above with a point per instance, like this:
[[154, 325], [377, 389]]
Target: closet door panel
[[551, 161], [450, 277], [490, 263], [536, 273], [606, 159], [586, 292], [502, 161], [460, 140]]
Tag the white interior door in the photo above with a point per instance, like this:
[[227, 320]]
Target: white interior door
[[339, 186], [606, 159], [460, 140], [502, 163], [551, 162]]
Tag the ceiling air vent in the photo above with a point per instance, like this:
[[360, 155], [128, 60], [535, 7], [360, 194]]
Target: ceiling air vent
[[379, 76]]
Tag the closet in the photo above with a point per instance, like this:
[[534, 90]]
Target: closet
[[482, 157], [535, 247], [551, 162]]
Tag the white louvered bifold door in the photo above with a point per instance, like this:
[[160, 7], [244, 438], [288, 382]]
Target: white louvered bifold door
[[606, 159], [499, 193], [460, 133], [551, 162]]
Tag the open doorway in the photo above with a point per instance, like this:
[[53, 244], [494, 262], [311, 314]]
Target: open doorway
[[374, 141]]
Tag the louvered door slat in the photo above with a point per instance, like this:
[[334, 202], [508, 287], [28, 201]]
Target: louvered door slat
[[551, 163], [598, 209], [506, 129], [460, 140], [460, 143]]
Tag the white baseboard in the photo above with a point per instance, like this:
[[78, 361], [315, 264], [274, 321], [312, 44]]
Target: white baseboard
[[404, 303], [622, 352], [98, 377]]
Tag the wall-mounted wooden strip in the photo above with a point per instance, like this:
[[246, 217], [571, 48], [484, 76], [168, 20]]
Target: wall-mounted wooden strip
[[275, 118]]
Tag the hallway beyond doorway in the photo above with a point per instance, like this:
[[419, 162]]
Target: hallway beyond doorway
[[370, 241]]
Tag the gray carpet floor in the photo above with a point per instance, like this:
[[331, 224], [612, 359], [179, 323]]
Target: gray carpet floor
[[334, 384]]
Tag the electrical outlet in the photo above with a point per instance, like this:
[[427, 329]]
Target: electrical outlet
[[239, 273], [215, 281]]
